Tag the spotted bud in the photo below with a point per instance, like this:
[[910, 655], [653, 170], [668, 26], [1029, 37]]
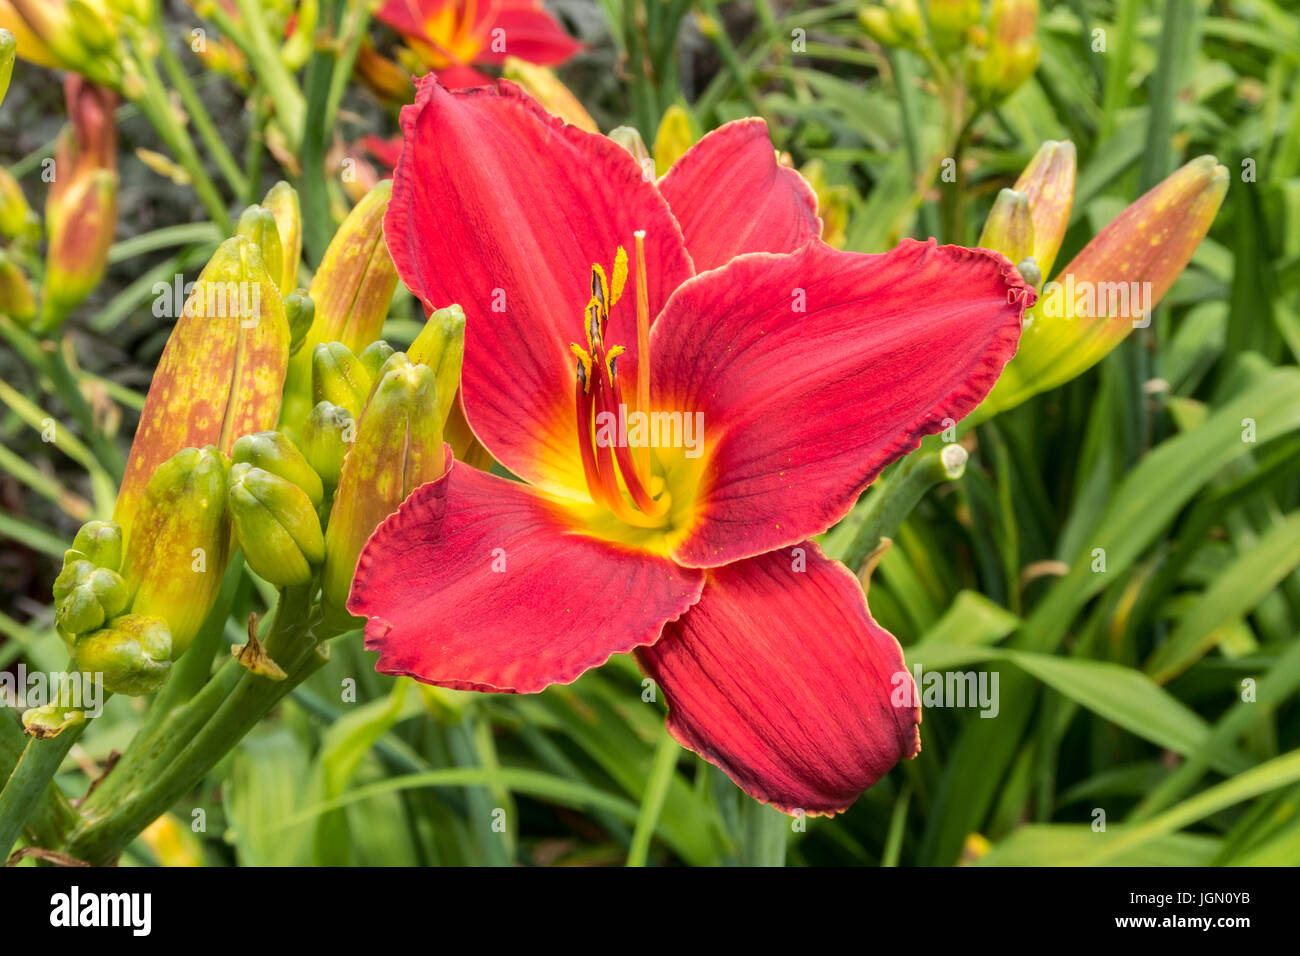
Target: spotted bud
[[276, 525], [282, 201], [1048, 183], [398, 448], [179, 542], [133, 655], [258, 225]]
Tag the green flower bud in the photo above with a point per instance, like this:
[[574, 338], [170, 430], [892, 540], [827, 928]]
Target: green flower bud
[[276, 525], [399, 447], [300, 310], [16, 298], [327, 435], [441, 346], [373, 357], [97, 596], [16, 216], [274, 452], [179, 542], [338, 376], [1010, 226], [100, 543], [257, 223], [132, 655], [282, 201]]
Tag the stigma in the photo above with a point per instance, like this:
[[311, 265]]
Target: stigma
[[615, 478]]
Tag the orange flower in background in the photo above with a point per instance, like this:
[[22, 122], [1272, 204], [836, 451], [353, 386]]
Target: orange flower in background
[[452, 35]]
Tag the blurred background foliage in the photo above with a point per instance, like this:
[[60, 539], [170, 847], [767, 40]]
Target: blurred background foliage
[[1160, 690]]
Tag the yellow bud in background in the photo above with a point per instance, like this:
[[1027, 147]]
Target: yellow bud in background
[[8, 53], [832, 203], [1112, 285], [543, 85], [673, 138], [398, 448], [386, 79], [179, 543], [630, 140], [1007, 52], [81, 225], [1048, 183], [949, 21], [221, 372], [16, 298], [16, 216], [1010, 226]]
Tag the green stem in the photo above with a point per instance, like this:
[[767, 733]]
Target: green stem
[[271, 71], [27, 784], [652, 801], [199, 114], [159, 768], [888, 504]]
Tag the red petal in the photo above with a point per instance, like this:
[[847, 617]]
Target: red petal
[[531, 34], [731, 197], [782, 679], [801, 410], [441, 612], [494, 201]]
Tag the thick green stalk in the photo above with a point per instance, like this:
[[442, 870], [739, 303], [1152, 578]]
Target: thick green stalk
[[27, 783]]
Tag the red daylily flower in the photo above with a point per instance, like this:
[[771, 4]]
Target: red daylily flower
[[587, 287], [450, 35]]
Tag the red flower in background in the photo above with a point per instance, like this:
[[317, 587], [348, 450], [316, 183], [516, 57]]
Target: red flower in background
[[589, 288], [451, 35]]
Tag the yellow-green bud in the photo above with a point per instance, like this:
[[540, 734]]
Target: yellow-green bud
[[274, 452], [673, 138], [16, 298], [399, 447], [257, 223], [100, 543], [441, 346], [338, 376], [1009, 228], [96, 595], [276, 525], [327, 435], [299, 310], [373, 357], [282, 201], [179, 542], [16, 216], [133, 655]]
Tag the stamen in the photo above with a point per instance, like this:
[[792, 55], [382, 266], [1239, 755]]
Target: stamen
[[583, 401], [642, 352]]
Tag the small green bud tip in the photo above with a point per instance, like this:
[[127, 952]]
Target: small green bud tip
[[132, 655], [274, 452], [374, 356], [276, 525], [98, 595], [327, 435], [300, 311], [100, 543], [1029, 271], [339, 377]]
